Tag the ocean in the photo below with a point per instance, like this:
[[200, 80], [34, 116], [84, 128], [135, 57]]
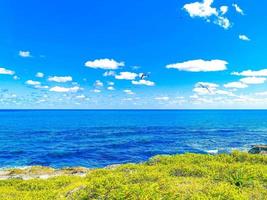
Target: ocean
[[97, 138]]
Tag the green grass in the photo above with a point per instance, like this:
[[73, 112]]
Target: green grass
[[188, 176]]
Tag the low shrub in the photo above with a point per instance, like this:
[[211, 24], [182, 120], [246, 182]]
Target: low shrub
[[189, 176]]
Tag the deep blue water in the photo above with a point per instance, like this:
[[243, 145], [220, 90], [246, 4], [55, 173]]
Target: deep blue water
[[99, 138]]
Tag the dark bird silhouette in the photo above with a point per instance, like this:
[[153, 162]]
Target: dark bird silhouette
[[204, 86], [143, 75]]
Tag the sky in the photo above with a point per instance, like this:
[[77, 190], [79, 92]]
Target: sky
[[175, 54]]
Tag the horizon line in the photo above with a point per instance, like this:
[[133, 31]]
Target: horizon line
[[128, 109]]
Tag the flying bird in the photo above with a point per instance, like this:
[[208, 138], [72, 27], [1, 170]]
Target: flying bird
[[204, 86], [144, 75]]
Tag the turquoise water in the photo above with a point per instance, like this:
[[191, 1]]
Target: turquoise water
[[98, 138]]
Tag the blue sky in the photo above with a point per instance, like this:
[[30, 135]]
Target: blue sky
[[92, 54]]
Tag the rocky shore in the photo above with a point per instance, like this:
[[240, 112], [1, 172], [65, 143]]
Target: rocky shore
[[237, 175], [41, 172], [258, 149]]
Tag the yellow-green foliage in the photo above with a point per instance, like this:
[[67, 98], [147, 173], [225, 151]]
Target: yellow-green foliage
[[188, 176]]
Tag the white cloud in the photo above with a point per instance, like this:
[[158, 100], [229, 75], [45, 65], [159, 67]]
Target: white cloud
[[223, 22], [206, 11], [81, 96], [126, 75], [109, 73], [200, 65], [33, 83], [127, 99], [6, 71], [16, 77], [195, 99], [245, 99], [41, 87], [200, 9], [253, 80], [96, 91], [143, 82], [206, 84], [108, 64], [238, 9], [261, 93], [130, 92], [235, 85], [39, 75], [24, 54], [110, 88], [98, 83], [205, 88], [36, 84], [223, 92], [244, 37], [111, 83], [65, 89], [262, 72], [178, 100], [162, 98], [136, 67], [201, 91], [60, 79], [224, 9]]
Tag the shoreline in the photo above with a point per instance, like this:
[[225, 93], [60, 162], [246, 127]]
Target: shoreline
[[237, 175], [41, 172], [45, 172]]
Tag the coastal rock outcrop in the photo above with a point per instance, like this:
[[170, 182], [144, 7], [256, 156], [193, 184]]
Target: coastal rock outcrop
[[258, 149], [40, 172]]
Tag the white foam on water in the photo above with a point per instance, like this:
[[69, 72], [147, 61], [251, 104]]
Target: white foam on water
[[214, 151]]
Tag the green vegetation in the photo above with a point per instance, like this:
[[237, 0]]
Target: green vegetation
[[188, 176]]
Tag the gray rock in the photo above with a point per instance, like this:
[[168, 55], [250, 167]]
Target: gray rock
[[258, 149]]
